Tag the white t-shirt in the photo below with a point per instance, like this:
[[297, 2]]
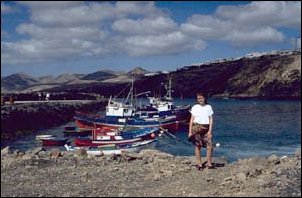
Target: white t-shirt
[[202, 113]]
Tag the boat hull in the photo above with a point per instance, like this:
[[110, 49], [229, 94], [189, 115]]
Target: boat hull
[[86, 142], [40, 137], [90, 123], [54, 141], [78, 133], [117, 149]]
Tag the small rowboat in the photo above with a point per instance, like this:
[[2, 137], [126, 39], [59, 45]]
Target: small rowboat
[[116, 149], [54, 141], [40, 137]]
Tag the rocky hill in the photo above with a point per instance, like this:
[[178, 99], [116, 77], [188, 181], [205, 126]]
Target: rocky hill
[[99, 75], [272, 75], [276, 76], [17, 81], [138, 71]]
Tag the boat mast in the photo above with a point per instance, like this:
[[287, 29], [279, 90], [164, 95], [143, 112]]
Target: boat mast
[[130, 94], [169, 91]]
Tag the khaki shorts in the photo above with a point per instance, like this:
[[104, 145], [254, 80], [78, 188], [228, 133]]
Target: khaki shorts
[[199, 135]]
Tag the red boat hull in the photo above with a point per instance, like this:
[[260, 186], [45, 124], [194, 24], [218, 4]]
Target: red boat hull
[[82, 125]]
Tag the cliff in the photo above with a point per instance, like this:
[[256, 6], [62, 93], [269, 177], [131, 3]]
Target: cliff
[[271, 76]]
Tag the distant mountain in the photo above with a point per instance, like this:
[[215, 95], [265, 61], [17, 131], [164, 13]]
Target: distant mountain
[[46, 79], [99, 76], [113, 72], [123, 78], [17, 82], [64, 78], [138, 71]]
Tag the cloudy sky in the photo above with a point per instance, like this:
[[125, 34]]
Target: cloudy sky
[[52, 38]]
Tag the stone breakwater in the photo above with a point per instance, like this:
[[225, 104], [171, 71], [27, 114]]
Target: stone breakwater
[[21, 119], [39, 173]]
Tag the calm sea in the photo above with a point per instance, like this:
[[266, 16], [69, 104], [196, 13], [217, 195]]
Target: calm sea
[[244, 128]]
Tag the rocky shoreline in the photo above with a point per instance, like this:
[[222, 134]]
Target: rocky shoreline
[[40, 173], [21, 119]]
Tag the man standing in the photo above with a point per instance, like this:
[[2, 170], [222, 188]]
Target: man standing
[[200, 129]]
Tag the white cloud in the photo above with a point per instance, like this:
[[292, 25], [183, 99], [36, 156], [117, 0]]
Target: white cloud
[[70, 30], [76, 15], [47, 33], [79, 13], [5, 8], [246, 25], [38, 51], [263, 13], [145, 26], [57, 30], [171, 43], [145, 8], [253, 38], [206, 27]]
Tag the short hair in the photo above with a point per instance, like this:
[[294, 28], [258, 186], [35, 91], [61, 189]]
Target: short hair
[[200, 93]]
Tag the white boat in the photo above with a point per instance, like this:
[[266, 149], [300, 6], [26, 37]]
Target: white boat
[[115, 149], [40, 137]]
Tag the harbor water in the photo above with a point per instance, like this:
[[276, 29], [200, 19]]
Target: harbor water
[[244, 128]]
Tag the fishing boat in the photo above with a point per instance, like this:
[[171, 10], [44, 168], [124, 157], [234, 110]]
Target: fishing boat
[[168, 122], [119, 115], [116, 148], [117, 137], [165, 106], [160, 113]]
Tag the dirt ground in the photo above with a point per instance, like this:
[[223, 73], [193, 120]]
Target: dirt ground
[[39, 173]]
